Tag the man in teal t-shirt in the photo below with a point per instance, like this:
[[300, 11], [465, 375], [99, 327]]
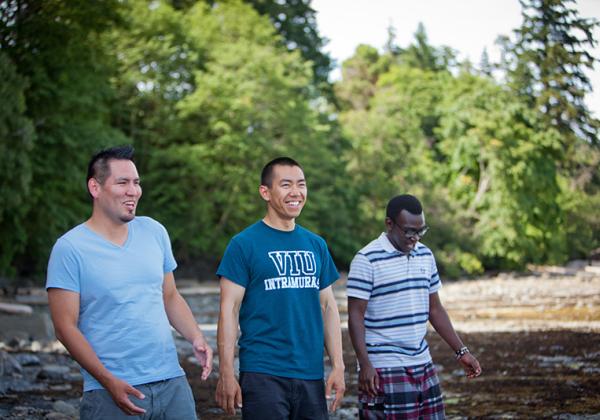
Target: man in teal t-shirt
[[276, 279]]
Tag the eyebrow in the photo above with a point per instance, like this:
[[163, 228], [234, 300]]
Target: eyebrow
[[124, 178], [291, 180]]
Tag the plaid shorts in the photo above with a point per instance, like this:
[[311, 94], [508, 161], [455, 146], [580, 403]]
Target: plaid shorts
[[404, 393]]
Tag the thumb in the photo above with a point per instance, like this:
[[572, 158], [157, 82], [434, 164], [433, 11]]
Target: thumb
[[328, 386], [238, 399]]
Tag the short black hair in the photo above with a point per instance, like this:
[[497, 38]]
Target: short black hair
[[98, 167], [407, 202], [266, 176]]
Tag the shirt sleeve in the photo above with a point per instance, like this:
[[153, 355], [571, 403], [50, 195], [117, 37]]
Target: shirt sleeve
[[233, 266], [435, 282], [63, 267], [360, 278], [169, 263]]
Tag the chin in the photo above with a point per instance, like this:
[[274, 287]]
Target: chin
[[128, 218]]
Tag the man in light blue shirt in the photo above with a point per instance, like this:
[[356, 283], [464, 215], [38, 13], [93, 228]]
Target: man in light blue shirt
[[112, 297]]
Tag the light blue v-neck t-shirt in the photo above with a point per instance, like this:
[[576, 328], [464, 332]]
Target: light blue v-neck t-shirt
[[121, 310]]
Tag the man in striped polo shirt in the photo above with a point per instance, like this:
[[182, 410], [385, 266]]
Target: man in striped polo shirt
[[392, 293]]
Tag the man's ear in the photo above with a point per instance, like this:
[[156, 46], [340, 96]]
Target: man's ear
[[388, 223], [264, 192], [93, 187]]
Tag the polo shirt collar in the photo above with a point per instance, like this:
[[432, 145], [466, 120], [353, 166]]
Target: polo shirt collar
[[388, 247]]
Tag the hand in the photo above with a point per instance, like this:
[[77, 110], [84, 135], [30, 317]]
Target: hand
[[204, 354], [119, 391], [229, 394], [335, 381], [368, 380], [470, 365]]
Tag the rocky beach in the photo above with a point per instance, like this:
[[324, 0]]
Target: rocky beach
[[537, 337]]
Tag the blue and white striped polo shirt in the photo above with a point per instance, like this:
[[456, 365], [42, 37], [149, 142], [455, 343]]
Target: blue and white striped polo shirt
[[397, 286]]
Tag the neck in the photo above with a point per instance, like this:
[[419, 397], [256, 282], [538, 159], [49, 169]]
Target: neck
[[108, 229], [279, 223], [396, 245]]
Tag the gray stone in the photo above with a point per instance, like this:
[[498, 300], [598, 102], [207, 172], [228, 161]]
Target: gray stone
[[53, 372], [20, 385], [9, 365], [74, 377], [27, 359], [35, 326], [64, 408], [54, 415], [15, 308]]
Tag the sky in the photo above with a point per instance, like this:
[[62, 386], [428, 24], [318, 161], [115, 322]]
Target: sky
[[467, 26]]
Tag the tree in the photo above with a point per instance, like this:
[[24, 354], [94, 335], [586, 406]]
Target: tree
[[55, 49], [16, 141], [546, 66], [500, 168], [425, 56], [213, 95], [296, 22]]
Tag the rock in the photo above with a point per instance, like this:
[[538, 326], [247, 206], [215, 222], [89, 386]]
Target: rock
[[594, 269], [54, 415], [18, 341], [74, 377], [36, 326], [53, 372], [20, 385], [61, 387], [9, 365], [15, 309], [26, 359], [65, 408]]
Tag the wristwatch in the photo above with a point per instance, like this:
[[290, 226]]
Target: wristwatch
[[461, 352]]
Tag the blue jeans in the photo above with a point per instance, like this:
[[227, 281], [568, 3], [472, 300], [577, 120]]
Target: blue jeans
[[168, 399]]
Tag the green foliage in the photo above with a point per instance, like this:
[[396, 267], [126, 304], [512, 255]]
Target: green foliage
[[209, 91], [424, 56], [16, 142], [55, 48], [500, 168], [221, 95], [296, 22], [546, 66]]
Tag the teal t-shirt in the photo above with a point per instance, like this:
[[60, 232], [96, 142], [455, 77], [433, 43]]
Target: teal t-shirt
[[280, 316]]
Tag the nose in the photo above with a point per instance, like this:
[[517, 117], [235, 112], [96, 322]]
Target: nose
[[133, 189]]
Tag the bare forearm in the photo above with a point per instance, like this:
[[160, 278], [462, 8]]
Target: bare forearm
[[181, 318], [440, 321], [356, 328], [333, 335], [226, 338], [81, 350]]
